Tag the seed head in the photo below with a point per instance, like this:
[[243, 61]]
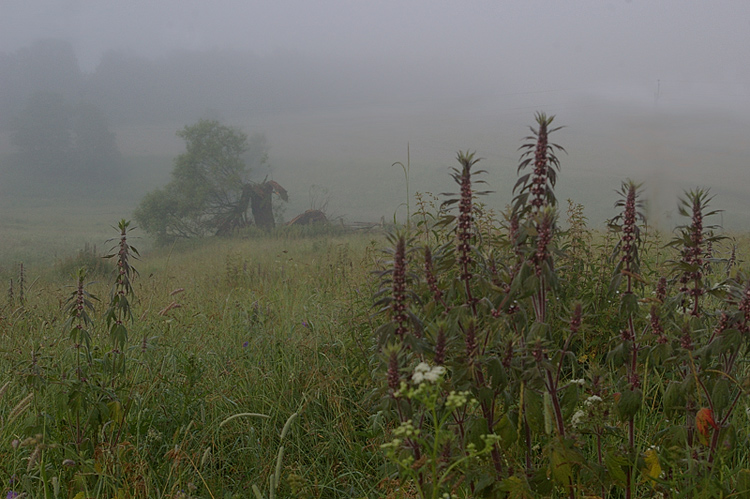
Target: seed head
[[440, 347]]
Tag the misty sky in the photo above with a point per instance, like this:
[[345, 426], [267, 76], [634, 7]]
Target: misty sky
[[697, 49], [654, 89]]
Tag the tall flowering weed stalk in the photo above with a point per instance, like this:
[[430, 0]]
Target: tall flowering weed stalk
[[396, 295], [120, 311], [626, 390], [534, 217], [21, 285], [628, 344], [79, 307], [536, 189], [544, 332], [706, 384], [695, 241], [398, 339], [82, 390]]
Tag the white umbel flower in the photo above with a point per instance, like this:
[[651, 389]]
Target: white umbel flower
[[592, 400], [423, 372], [578, 417]]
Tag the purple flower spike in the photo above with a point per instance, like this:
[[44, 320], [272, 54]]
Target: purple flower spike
[[246, 344]]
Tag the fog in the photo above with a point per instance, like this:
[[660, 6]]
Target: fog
[[654, 90]]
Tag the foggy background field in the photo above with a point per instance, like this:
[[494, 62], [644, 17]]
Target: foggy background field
[[656, 91]]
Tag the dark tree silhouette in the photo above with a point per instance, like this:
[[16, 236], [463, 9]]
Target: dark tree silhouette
[[210, 192]]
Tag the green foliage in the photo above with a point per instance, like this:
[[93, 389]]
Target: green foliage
[[210, 192], [207, 180], [591, 375]]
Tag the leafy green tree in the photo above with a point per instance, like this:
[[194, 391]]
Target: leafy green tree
[[209, 192]]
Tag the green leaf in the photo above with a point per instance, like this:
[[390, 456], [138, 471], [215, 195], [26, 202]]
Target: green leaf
[[115, 411], [674, 399], [561, 462], [629, 403], [617, 355], [629, 304], [541, 484], [498, 378], [485, 395], [569, 400], [538, 331], [119, 334], [477, 428], [660, 352], [506, 429], [516, 487], [743, 484], [721, 395], [549, 413], [617, 466], [534, 410]]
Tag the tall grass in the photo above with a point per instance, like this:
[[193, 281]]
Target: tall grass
[[272, 327]]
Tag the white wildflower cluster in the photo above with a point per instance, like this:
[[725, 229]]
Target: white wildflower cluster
[[579, 382], [591, 409], [578, 417], [423, 372], [594, 399]]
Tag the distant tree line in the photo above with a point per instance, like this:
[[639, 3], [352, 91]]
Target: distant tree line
[[184, 85], [55, 139], [60, 119]]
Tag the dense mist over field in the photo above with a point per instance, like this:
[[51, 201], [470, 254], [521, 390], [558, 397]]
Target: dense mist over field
[[338, 91]]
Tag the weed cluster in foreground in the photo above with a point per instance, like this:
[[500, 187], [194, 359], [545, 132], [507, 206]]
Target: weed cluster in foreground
[[517, 362]]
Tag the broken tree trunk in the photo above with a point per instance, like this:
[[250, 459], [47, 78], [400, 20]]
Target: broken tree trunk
[[257, 197], [260, 202]]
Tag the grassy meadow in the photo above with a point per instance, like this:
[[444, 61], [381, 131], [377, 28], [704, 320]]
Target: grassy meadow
[[272, 327]]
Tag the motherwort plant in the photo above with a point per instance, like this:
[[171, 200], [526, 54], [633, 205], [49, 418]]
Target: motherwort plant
[[506, 372]]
